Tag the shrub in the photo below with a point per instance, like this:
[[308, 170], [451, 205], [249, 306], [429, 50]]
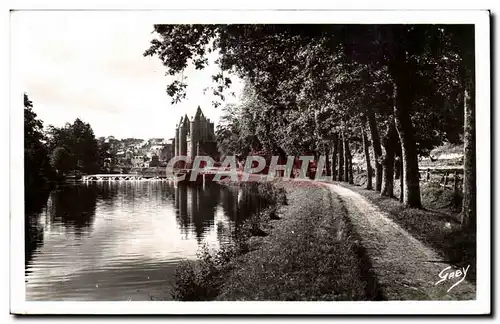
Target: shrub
[[201, 280]]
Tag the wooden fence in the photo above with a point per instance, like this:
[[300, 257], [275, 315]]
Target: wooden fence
[[446, 177]]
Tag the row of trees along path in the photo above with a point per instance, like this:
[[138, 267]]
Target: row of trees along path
[[400, 90]]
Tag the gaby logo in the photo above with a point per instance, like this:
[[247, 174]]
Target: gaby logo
[[448, 274]]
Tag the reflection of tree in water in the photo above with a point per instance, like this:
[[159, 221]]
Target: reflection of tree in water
[[35, 202], [203, 206], [196, 207], [168, 192], [241, 203], [249, 202], [225, 232], [181, 207], [75, 206], [106, 191], [229, 203]]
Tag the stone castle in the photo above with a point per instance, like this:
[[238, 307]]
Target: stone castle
[[195, 137]]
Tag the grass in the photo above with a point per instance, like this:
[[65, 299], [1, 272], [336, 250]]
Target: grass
[[436, 224], [310, 254], [448, 148]]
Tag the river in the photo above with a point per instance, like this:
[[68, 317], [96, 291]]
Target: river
[[122, 240]]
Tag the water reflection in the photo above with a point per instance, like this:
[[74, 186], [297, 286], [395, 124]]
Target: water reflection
[[35, 203], [122, 240], [74, 207]]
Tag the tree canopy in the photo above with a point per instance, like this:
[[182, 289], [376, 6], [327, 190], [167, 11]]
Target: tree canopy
[[312, 82]]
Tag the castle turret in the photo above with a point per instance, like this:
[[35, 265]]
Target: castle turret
[[212, 130], [176, 141], [194, 137], [209, 129], [183, 130]]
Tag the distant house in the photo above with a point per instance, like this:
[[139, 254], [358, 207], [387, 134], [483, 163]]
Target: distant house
[[120, 154], [155, 162], [157, 141], [138, 161], [156, 149]]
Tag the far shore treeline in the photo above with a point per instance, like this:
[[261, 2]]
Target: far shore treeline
[[52, 154]]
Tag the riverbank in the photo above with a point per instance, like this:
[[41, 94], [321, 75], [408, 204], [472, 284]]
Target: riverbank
[[304, 249]]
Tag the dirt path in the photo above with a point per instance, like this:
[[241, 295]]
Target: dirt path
[[404, 267]]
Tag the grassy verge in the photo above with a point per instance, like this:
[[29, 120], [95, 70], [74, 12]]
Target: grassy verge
[[436, 224], [309, 254], [299, 248]]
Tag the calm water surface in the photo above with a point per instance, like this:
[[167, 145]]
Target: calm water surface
[[123, 240]]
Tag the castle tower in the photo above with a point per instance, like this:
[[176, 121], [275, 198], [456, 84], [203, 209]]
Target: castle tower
[[194, 137], [199, 123], [209, 132], [183, 131], [178, 132], [212, 130], [176, 141]]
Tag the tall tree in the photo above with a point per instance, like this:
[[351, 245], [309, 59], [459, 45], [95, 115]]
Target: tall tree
[[79, 140], [369, 173], [463, 38], [390, 143], [340, 175], [37, 169], [335, 149]]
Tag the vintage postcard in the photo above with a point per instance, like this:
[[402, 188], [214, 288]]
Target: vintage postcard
[[177, 162]]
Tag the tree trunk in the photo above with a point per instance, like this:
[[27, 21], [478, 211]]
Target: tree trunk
[[351, 178], [377, 149], [390, 142], [327, 162], [397, 167], [401, 195], [468, 75], [469, 184], [334, 156], [340, 175], [346, 157], [369, 184], [404, 127], [402, 74]]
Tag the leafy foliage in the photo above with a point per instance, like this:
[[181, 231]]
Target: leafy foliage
[[37, 168], [61, 160], [79, 141], [311, 80]]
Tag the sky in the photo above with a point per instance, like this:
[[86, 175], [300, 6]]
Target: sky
[[90, 65]]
